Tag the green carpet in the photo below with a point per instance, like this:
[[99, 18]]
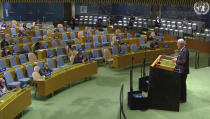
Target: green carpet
[[98, 98]]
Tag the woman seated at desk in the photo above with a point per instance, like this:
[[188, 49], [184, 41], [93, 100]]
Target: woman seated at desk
[[72, 53], [3, 88]]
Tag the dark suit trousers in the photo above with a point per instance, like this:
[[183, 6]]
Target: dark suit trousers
[[183, 96]]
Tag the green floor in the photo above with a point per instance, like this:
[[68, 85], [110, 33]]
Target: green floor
[[98, 98]]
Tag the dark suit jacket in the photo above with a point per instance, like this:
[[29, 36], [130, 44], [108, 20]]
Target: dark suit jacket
[[44, 70], [5, 53], [78, 59], [182, 62]]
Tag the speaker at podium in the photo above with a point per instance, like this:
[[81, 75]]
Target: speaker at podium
[[165, 84]]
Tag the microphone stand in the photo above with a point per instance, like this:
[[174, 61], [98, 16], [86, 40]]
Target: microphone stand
[[131, 75]]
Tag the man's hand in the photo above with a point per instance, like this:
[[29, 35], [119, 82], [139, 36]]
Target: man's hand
[[174, 60]]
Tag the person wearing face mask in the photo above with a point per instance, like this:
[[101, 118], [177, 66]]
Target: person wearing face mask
[[182, 66]]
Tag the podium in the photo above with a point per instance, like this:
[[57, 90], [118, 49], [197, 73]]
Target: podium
[[165, 84]]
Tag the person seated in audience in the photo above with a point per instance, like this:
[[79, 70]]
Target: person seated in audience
[[154, 44], [157, 21], [117, 31], [49, 32], [32, 57], [22, 32], [80, 34], [24, 27], [5, 52], [79, 58], [185, 22], [45, 37], [4, 25], [77, 41], [3, 88], [69, 49], [72, 54], [153, 34], [107, 55], [45, 69], [36, 47], [149, 37], [114, 39], [36, 75], [4, 43], [14, 22]]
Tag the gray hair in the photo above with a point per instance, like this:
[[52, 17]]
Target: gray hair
[[181, 41]]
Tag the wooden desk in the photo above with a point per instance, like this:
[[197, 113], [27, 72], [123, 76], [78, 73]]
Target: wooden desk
[[15, 103], [172, 44], [131, 41], [123, 60], [199, 45], [42, 54], [65, 76], [167, 37]]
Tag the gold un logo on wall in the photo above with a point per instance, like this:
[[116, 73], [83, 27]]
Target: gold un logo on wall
[[201, 8]]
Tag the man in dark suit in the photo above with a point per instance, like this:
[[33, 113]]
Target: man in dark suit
[[4, 43], [45, 69], [182, 65]]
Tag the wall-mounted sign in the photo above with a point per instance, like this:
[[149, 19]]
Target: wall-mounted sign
[[83, 9]]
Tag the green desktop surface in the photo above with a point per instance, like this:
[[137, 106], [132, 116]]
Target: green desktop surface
[[167, 63], [5, 96]]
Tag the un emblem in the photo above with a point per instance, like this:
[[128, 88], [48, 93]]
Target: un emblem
[[201, 8]]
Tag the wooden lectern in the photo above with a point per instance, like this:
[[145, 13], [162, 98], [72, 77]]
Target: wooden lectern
[[164, 90]]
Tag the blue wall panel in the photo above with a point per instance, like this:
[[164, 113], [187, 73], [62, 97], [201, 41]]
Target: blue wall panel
[[33, 11], [114, 9], [55, 11], [128, 9]]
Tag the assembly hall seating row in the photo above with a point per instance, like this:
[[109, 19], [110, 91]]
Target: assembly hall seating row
[[57, 42], [65, 76], [14, 103]]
